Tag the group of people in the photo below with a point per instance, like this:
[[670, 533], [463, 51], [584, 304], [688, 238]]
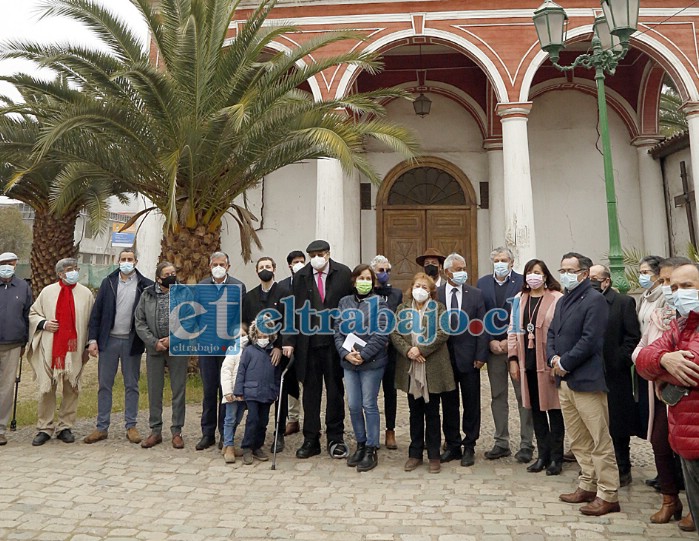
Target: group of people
[[583, 360]]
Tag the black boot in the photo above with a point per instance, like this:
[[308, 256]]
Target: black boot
[[356, 457], [370, 460]]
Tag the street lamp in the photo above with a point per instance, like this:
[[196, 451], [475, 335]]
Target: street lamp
[[610, 44]]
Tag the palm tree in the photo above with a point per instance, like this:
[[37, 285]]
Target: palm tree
[[210, 118], [671, 118]]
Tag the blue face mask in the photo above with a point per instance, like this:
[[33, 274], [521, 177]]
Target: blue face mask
[[501, 269], [7, 271], [667, 293], [645, 281], [126, 267], [382, 277], [686, 301], [72, 277], [459, 277], [569, 280]]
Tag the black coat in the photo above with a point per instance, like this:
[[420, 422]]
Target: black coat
[[338, 284], [576, 334], [621, 338], [391, 295], [466, 348], [253, 305]]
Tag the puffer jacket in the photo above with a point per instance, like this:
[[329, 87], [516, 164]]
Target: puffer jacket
[[257, 379], [683, 418]]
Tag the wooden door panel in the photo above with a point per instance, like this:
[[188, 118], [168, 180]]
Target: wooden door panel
[[403, 241], [451, 231]]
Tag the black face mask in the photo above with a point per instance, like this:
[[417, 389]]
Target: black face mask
[[265, 275], [168, 281], [596, 285], [431, 270]]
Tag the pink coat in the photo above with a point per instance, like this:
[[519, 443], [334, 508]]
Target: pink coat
[[548, 394]]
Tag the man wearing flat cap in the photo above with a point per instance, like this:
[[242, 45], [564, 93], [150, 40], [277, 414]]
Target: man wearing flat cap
[[322, 282], [431, 262], [15, 301]]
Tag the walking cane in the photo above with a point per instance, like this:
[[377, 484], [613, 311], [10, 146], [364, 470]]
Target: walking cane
[[279, 412], [13, 423]]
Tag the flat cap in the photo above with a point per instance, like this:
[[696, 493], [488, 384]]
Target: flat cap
[[430, 252], [318, 246], [8, 256]]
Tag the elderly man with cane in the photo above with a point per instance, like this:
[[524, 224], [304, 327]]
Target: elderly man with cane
[[15, 301]]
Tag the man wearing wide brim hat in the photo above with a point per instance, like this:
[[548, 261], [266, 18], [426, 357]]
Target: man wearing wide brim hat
[[431, 262]]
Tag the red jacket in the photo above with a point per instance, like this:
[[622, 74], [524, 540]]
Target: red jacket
[[683, 418]]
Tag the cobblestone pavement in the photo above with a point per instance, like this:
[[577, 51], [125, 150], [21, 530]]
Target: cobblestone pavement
[[116, 490]]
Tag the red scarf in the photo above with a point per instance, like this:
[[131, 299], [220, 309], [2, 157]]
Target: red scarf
[[66, 338]]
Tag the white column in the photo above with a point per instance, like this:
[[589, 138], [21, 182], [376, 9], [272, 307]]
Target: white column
[[691, 109], [519, 203], [496, 183], [352, 210], [650, 178], [330, 215]]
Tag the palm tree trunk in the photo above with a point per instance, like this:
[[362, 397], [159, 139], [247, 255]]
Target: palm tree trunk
[[189, 250], [53, 239]]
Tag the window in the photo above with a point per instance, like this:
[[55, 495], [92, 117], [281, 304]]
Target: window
[[426, 186]]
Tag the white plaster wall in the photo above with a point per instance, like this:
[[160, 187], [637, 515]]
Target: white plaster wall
[[448, 132], [679, 230], [568, 178]]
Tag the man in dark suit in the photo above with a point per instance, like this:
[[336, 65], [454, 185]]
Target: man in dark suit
[[296, 260], [620, 340], [321, 283], [468, 354], [574, 352], [213, 413], [498, 289]]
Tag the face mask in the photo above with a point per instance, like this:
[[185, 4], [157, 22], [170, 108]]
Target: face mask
[[686, 301], [645, 281], [218, 272], [318, 262], [263, 342], [72, 277], [597, 286], [535, 281], [297, 267], [7, 271], [382, 277], [126, 267], [168, 281], [420, 295], [569, 280], [431, 270], [501, 269], [667, 293], [363, 287], [459, 277], [244, 341], [265, 275]]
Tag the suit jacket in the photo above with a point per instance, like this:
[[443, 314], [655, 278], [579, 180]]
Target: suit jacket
[[487, 286], [338, 284], [576, 334], [253, 305], [466, 348], [286, 287]]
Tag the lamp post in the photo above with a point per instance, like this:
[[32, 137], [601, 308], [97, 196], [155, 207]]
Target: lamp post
[[610, 44]]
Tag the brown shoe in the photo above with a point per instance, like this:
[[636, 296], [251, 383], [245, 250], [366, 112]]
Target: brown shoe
[[177, 441], [292, 427], [152, 441], [671, 508], [3, 439], [687, 524], [579, 496], [599, 507], [95, 436], [435, 465], [412, 463], [132, 435], [229, 454], [391, 439]]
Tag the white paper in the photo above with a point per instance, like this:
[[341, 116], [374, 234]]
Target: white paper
[[351, 341]]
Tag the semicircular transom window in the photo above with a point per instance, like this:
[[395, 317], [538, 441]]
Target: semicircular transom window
[[426, 186]]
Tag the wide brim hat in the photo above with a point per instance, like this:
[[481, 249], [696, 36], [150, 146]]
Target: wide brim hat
[[430, 252]]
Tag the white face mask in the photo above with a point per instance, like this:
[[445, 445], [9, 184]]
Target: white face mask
[[459, 277], [420, 295], [297, 267], [218, 272], [667, 293], [501, 269], [7, 271], [243, 341], [318, 262], [263, 342], [72, 277]]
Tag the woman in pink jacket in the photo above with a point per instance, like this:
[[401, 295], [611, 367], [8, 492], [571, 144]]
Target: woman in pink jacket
[[532, 312]]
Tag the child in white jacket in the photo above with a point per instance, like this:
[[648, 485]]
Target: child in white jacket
[[235, 408]]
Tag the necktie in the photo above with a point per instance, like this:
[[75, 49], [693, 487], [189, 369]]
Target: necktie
[[454, 306], [321, 287]]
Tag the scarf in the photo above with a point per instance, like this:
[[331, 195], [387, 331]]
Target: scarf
[[417, 373], [66, 338]]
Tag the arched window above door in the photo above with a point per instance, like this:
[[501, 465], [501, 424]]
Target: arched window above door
[[426, 186]]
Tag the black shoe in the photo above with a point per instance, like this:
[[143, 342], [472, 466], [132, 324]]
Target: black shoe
[[40, 439], [308, 449], [497, 452], [369, 461], [205, 442], [66, 436], [338, 449], [450, 454], [555, 468], [625, 479], [653, 483], [524, 456], [356, 457], [468, 458], [278, 444], [539, 465]]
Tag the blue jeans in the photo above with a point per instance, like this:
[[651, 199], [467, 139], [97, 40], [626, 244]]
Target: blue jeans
[[107, 365], [234, 415], [362, 388]]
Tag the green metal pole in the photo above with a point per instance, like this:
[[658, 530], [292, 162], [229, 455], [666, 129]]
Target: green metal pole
[[616, 256]]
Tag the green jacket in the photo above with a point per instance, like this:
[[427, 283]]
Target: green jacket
[[440, 376]]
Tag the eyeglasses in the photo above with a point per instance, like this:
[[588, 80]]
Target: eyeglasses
[[383, 270]]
